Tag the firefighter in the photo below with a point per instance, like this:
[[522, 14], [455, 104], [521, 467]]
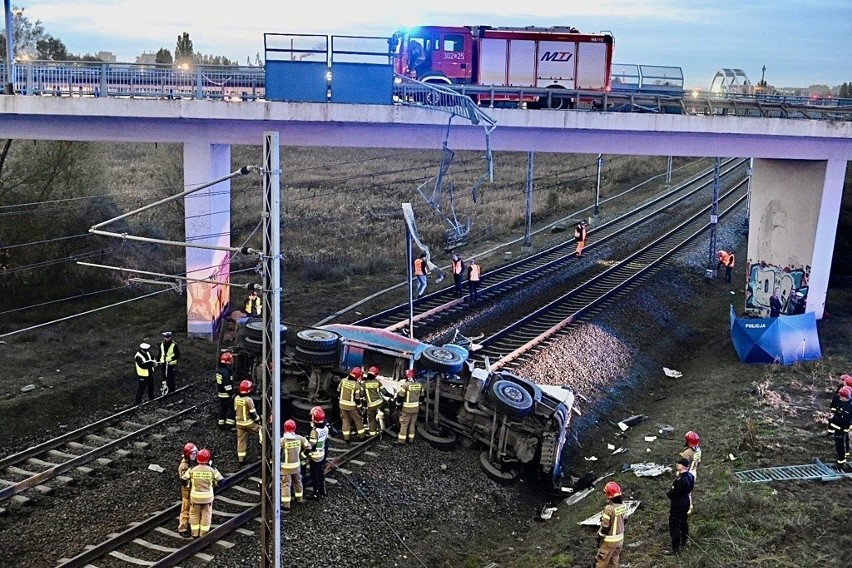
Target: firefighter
[[375, 402], [458, 274], [169, 355], [727, 260], [225, 391], [187, 461], [202, 478], [581, 235], [474, 274], [254, 305], [246, 418], [611, 531], [692, 452], [835, 400], [350, 390], [409, 394], [839, 425], [293, 446], [144, 372], [318, 441], [679, 509]]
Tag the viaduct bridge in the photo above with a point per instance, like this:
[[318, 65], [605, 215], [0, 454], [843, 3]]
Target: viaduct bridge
[[798, 174]]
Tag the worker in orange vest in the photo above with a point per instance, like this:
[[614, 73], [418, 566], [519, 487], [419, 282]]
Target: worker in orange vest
[[421, 272], [581, 235], [458, 274], [474, 273], [727, 260]]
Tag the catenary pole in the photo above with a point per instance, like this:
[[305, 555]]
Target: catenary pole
[[714, 220], [270, 541], [10, 49], [598, 186], [528, 200], [408, 252]]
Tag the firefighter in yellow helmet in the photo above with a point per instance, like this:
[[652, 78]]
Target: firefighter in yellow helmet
[[202, 478], [247, 419], [409, 395], [611, 531], [293, 447], [351, 392]]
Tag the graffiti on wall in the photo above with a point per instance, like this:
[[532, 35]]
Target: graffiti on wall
[[207, 301], [789, 282]]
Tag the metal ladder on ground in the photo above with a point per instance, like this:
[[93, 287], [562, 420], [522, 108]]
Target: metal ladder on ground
[[816, 470]]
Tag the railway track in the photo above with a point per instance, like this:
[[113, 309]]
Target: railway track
[[434, 308], [42, 466], [522, 339], [155, 542]]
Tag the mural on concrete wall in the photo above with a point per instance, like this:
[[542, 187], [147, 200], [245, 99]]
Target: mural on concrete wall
[[790, 283], [207, 301]]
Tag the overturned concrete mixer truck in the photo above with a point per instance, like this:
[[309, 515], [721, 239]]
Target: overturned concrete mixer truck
[[519, 426]]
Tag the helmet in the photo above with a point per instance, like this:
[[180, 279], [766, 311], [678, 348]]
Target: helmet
[[373, 370], [226, 358], [290, 426], [144, 346], [356, 372], [845, 392], [847, 379], [410, 374], [167, 334], [317, 415], [204, 456], [692, 439], [190, 451], [245, 386], [612, 489]]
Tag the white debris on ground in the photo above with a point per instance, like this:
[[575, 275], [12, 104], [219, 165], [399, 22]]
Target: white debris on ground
[[595, 520], [649, 469], [672, 373]]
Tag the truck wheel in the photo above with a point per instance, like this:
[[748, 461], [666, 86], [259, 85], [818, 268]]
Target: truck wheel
[[442, 360], [445, 441], [302, 407], [253, 346], [464, 353], [511, 399], [254, 329], [317, 339], [495, 473], [312, 357]]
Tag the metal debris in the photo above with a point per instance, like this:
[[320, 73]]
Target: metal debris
[[595, 520], [649, 469]]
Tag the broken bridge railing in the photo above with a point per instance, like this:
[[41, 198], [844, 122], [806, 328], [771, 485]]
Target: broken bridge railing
[[408, 91]]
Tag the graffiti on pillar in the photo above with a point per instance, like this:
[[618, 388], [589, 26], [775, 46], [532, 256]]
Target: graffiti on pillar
[[790, 282], [208, 299]]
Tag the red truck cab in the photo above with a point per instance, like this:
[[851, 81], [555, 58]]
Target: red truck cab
[[435, 53]]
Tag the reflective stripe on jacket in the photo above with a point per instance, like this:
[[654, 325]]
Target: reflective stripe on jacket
[[144, 363], [612, 521], [410, 393], [244, 410], [458, 266], [292, 446], [317, 438], [254, 306], [371, 392], [202, 478], [224, 385], [169, 355], [349, 391]]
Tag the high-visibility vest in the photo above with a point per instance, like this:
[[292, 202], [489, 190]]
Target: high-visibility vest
[[168, 355], [292, 446], [371, 391], [411, 393], [694, 457], [317, 439], [458, 266], [258, 305], [348, 389], [139, 359], [419, 267], [474, 272], [615, 515]]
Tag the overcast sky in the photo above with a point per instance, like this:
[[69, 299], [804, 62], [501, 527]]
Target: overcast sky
[[801, 42]]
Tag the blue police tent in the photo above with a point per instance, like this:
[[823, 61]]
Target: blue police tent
[[785, 340]]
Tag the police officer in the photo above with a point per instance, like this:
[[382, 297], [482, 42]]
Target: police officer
[[187, 461], [839, 425], [375, 402], [169, 355], [293, 446], [144, 372], [225, 391], [254, 305], [409, 394], [611, 531], [679, 508], [350, 391], [247, 419], [202, 479], [318, 439]]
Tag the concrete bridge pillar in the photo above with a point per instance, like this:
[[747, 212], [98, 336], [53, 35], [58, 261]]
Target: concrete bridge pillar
[[795, 206], [207, 221]]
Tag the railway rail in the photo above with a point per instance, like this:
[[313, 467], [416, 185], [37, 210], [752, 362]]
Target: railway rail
[[435, 307], [48, 461], [154, 542]]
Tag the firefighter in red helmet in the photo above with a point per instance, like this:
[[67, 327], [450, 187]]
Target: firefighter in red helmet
[[611, 531], [293, 446], [202, 478], [225, 391], [409, 394], [350, 390], [839, 425], [247, 419], [318, 439], [692, 452], [375, 402], [187, 460], [845, 381]]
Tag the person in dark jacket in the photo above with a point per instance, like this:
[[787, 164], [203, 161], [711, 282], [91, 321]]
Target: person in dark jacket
[[774, 305], [839, 425], [679, 509], [145, 365]]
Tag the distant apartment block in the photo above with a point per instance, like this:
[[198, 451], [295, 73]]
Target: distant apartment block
[[146, 58], [106, 56]]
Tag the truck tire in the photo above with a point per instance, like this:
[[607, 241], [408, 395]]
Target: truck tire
[[510, 398], [325, 357], [442, 360], [458, 349], [302, 408], [495, 473], [528, 386], [441, 440], [254, 329], [317, 339], [253, 346]]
